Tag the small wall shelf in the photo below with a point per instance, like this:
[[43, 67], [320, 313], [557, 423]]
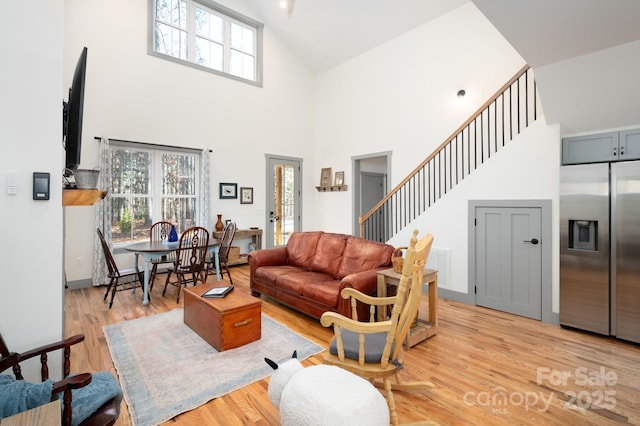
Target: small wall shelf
[[82, 197], [332, 188]]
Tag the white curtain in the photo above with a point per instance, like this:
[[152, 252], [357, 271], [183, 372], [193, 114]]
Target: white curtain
[[204, 200], [103, 216]]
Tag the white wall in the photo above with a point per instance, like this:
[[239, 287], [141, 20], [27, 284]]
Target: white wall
[[30, 133], [401, 97], [531, 162], [593, 91], [133, 96]]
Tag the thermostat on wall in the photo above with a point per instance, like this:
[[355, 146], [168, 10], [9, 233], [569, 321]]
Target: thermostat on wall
[[40, 186]]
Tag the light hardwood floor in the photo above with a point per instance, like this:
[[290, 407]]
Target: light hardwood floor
[[489, 367]]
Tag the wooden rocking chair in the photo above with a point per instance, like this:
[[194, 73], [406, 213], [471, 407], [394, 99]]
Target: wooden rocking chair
[[374, 350], [107, 393]]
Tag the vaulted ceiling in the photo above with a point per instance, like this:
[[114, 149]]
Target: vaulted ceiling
[[325, 33], [585, 53]]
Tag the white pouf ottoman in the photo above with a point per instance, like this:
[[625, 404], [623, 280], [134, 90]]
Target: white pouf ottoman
[[324, 395]]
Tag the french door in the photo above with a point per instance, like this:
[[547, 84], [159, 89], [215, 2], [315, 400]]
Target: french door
[[284, 199]]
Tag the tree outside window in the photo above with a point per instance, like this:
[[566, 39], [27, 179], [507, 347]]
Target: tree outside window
[[151, 185]]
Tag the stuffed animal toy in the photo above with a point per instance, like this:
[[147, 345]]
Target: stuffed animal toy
[[324, 395]]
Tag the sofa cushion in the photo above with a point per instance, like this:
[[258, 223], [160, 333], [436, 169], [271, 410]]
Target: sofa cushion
[[295, 281], [324, 292], [301, 248], [269, 274], [328, 254], [362, 255]]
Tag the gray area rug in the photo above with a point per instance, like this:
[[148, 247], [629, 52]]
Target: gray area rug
[[166, 369]]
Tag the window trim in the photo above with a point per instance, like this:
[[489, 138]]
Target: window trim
[[258, 26], [156, 150]]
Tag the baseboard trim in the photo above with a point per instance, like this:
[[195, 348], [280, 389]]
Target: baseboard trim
[[468, 299], [78, 284], [456, 296]]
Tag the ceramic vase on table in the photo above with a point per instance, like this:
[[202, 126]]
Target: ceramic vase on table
[[219, 224]]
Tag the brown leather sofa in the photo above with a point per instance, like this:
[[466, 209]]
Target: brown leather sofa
[[309, 273]]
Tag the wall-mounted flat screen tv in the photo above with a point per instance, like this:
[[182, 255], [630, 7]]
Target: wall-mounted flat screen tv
[[72, 114]]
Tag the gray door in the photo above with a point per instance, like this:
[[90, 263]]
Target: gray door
[[373, 190], [508, 259]]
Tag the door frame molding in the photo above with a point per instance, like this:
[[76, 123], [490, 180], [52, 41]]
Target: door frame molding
[[546, 236], [298, 189], [355, 167]]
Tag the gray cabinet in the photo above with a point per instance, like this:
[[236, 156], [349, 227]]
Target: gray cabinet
[[629, 145], [601, 147]]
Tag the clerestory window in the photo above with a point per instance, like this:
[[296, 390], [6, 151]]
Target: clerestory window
[[207, 35]]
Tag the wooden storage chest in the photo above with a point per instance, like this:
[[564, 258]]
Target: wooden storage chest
[[224, 323]]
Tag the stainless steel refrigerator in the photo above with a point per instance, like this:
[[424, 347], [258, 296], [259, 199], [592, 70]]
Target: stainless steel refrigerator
[[600, 248]]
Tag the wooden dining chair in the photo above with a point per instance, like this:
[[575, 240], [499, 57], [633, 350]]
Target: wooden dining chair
[[374, 349], [100, 390], [159, 231], [119, 279], [190, 263], [223, 252]]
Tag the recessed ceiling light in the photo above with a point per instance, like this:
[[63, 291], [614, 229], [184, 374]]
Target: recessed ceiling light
[[283, 4]]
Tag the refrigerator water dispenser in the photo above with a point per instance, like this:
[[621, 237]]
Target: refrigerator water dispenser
[[583, 234]]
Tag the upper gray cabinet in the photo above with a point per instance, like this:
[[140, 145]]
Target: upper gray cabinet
[[601, 147], [629, 145]]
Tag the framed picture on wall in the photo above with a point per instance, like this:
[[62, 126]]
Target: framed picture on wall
[[228, 191], [246, 195], [339, 180]]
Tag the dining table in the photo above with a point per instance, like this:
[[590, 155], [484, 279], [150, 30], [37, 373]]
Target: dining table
[[154, 249]]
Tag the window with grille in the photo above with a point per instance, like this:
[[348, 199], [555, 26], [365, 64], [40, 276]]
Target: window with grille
[[209, 36], [148, 185]]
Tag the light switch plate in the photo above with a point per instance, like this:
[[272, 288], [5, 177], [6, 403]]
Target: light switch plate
[[12, 183]]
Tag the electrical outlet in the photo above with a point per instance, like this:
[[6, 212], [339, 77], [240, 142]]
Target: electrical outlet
[[79, 261]]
